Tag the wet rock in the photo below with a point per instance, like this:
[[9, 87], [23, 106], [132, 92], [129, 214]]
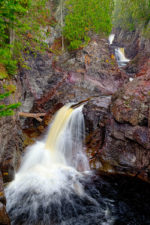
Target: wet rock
[[137, 48], [10, 150], [8, 171], [117, 134], [10, 129], [121, 131], [4, 219], [126, 148], [129, 40], [11, 145], [53, 81], [131, 104], [2, 197], [96, 113]]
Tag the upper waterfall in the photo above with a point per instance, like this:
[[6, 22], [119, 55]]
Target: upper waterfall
[[120, 56], [111, 38]]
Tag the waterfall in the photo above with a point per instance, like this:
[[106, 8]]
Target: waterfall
[[65, 138], [120, 56], [48, 188], [111, 38], [119, 53]]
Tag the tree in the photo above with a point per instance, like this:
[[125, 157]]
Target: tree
[[84, 16], [21, 23], [131, 14], [21, 31], [60, 19]]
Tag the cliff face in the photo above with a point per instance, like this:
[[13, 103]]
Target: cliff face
[[118, 139], [54, 80], [11, 140], [117, 114]]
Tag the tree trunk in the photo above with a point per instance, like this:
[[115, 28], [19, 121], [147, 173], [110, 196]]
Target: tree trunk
[[62, 24], [36, 116], [12, 38]]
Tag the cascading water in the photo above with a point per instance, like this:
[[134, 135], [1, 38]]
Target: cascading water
[[111, 38], [65, 138], [48, 187], [120, 56], [54, 186]]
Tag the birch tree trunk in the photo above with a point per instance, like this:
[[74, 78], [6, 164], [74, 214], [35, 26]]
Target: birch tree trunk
[[62, 23]]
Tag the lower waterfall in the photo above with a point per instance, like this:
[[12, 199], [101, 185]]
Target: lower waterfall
[[54, 185]]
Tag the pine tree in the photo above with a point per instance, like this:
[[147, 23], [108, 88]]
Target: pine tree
[[21, 23], [129, 14], [84, 16]]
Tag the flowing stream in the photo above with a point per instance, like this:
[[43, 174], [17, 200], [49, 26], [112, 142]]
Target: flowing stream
[[54, 185], [119, 53], [120, 57], [111, 38]]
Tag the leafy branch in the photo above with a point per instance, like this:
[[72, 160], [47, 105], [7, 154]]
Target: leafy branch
[[7, 110]]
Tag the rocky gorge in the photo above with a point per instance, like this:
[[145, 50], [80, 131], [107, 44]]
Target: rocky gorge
[[117, 111]]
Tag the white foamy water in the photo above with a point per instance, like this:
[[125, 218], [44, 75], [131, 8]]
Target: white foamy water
[[131, 79], [120, 57], [111, 38], [60, 154], [65, 138]]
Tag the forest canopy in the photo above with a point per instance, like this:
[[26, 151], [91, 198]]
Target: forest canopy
[[20, 24], [131, 15], [84, 16]]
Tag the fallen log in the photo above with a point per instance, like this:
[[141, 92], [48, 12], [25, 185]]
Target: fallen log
[[36, 116]]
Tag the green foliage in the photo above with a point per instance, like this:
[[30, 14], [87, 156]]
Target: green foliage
[[3, 72], [7, 110], [84, 16], [21, 31], [21, 23], [131, 14], [7, 60], [146, 31], [4, 95]]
